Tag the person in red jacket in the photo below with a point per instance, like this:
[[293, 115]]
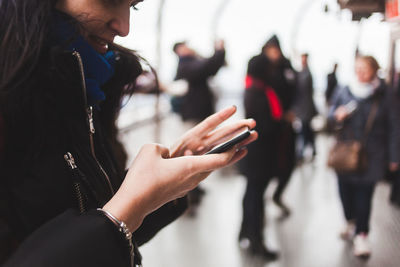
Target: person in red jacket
[[267, 99]]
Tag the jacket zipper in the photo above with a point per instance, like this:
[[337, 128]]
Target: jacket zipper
[[77, 187], [89, 112], [92, 131]]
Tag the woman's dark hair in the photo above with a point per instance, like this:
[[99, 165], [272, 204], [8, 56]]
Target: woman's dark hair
[[24, 27]]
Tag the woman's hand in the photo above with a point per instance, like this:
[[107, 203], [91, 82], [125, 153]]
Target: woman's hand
[[204, 136], [155, 179], [341, 114], [158, 176]]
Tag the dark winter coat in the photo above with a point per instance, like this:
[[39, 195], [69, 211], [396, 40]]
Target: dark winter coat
[[382, 145], [199, 101], [51, 209], [331, 86], [272, 153], [304, 106]]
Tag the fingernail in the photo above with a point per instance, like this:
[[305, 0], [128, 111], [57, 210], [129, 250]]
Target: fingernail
[[200, 148], [227, 112]]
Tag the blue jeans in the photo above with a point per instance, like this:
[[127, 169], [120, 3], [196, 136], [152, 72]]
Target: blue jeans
[[357, 203]]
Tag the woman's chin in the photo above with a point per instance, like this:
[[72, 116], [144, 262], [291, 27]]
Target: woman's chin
[[99, 48]]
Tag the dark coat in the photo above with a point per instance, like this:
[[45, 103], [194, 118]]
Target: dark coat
[[272, 153], [382, 145], [43, 195], [304, 106], [199, 101], [331, 86]]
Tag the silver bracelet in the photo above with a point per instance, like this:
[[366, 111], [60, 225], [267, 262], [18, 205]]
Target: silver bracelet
[[120, 224]]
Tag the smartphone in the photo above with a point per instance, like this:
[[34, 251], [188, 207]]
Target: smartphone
[[351, 107], [231, 143]]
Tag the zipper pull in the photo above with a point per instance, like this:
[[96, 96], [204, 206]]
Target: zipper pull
[[70, 160], [90, 117]]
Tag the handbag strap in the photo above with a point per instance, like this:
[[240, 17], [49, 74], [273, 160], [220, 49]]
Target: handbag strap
[[371, 119]]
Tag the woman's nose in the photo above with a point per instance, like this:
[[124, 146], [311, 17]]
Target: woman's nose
[[120, 23]]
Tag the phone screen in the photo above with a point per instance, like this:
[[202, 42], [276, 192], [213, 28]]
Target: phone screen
[[229, 144]]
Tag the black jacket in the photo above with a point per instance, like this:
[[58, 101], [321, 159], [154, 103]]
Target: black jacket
[[330, 86], [49, 203], [198, 103], [273, 152]]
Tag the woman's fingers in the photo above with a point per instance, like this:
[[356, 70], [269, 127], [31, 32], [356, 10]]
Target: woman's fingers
[[202, 166], [157, 149], [193, 139], [205, 163], [241, 153], [253, 137], [227, 132], [164, 152], [210, 123]]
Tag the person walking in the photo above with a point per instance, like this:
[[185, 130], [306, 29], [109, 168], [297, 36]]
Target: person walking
[[268, 96], [304, 108], [378, 109], [281, 76]]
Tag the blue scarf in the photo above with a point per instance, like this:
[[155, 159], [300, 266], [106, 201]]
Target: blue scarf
[[98, 68]]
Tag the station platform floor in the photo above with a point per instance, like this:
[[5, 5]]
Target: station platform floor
[[309, 237]]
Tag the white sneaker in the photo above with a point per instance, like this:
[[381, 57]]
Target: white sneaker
[[348, 232], [361, 246]]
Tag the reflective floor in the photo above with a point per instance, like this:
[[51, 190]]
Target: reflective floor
[[308, 238]]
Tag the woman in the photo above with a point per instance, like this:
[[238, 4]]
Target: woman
[[381, 145], [69, 201]]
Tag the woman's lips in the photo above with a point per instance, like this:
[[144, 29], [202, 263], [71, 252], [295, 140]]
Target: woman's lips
[[99, 44]]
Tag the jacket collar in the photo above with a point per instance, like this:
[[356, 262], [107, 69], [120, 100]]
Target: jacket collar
[[97, 68]]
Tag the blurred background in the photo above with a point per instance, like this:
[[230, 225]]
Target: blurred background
[[330, 31]]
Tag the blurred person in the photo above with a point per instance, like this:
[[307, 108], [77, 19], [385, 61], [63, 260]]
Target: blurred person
[[395, 189], [304, 107], [199, 100], [394, 177], [267, 99], [281, 76], [65, 196], [331, 84], [381, 146]]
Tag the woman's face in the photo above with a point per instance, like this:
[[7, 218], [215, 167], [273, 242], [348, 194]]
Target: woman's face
[[365, 73], [101, 20]]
